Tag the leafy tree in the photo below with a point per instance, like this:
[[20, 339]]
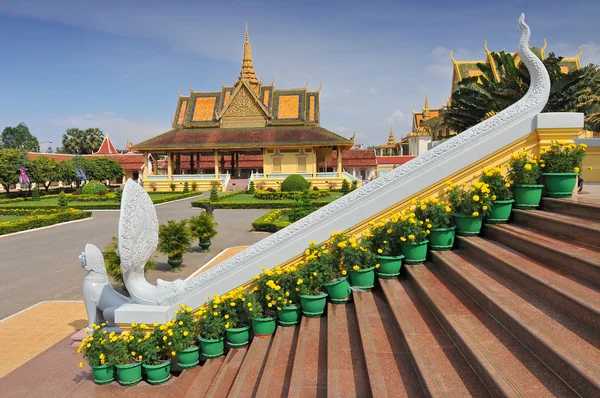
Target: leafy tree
[[251, 188], [62, 199], [301, 207], [480, 97], [49, 150], [102, 168], [9, 167], [43, 171], [19, 137], [66, 172], [345, 187], [213, 194], [186, 187], [82, 141]]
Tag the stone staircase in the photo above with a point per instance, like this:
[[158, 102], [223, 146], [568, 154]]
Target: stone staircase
[[237, 184], [515, 312]]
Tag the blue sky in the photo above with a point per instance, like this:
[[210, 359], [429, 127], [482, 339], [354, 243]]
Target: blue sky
[[117, 64]]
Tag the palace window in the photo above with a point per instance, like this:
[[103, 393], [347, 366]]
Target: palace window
[[276, 164], [301, 164]]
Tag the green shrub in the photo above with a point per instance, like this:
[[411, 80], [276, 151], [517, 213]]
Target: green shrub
[[294, 182], [269, 222], [251, 188], [35, 195], [213, 194], [301, 208], [345, 187], [112, 261], [93, 188], [194, 186], [354, 185], [280, 195], [203, 226], [174, 238], [37, 218], [118, 194], [186, 187], [62, 199], [173, 186]]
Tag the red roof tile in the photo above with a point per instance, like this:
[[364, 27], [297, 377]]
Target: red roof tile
[[129, 161], [396, 160], [107, 147]]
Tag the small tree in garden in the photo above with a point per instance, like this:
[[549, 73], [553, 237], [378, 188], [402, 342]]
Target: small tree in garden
[[186, 187], [174, 238], [153, 186], [173, 187], [118, 194], [354, 185], [203, 226], [301, 208], [35, 195], [251, 188], [213, 194], [194, 186], [345, 187], [62, 199]]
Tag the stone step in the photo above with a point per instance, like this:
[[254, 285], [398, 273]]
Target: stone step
[[248, 378], [275, 380], [309, 374], [568, 348], [567, 257], [224, 379], [442, 369], [574, 296], [346, 367], [568, 228], [506, 367], [391, 373], [572, 207], [205, 377]]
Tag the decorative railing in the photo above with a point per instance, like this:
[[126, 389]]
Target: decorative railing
[[158, 177]]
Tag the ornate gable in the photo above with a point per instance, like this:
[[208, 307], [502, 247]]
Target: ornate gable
[[244, 109]]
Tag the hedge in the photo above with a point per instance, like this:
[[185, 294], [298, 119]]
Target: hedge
[[38, 218], [269, 223], [279, 195], [169, 197], [267, 204], [198, 203]]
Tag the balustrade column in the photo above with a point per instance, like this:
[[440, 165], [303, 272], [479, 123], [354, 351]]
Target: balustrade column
[[169, 165], [339, 162], [216, 164]]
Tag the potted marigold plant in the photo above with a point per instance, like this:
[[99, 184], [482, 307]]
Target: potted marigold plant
[[204, 228], [174, 240], [263, 321], [336, 283], [469, 205], [435, 215], [184, 330], [93, 349], [501, 195], [236, 313], [211, 324], [383, 239], [358, 261], [156, 350], [280, 289], [413, 237], [561, 164], [122, 352], [316, 271], [524, 171]]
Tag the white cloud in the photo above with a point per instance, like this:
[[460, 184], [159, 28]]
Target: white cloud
[[340, 129], [590, 54], [397, 116]]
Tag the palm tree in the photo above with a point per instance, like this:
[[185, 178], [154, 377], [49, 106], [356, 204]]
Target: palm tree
[[82, 141], [479, 98]]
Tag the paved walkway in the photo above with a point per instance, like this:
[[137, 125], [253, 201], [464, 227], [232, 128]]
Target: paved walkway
[[42, 265]]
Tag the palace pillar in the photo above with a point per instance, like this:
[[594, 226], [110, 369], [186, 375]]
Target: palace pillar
[[178, 164], [216, 164], [155, 164], [192, 163], [146, 166], [237, 164], [169, 165], [339, 162]]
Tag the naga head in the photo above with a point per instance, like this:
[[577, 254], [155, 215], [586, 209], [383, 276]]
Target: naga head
[[92, 259]]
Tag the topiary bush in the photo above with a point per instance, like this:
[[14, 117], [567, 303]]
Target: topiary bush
[[93, 188], [213, 194], [345, 187], [294, 183], [35, 195], [251, 188], [186, 187], [62, 199], [194, 186]]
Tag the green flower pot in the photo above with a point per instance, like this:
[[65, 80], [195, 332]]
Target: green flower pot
[[158, 374], [313, 305], [289, 315], [389, 266], [130, 374], [103, 374], [500, 211], [175, 263], [527, 197], [204, 246], [364, 278], [339, 290], [237, 337], [212, 348], [188, 358], [414, 252], [467, 225], [560, 185], [264, 327], [441, 238]]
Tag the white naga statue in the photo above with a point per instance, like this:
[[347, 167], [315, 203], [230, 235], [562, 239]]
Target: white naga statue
[[99, 297]]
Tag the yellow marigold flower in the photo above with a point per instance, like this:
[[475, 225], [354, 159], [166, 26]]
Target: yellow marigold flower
[[226, 316], [165, 338], [81, 364], [132, 353], [428, 225], [344, 272], [140, 357], [515, 156], [173, 353], [377, 265], [527, 166], [493, 197], [475, 214], [233, 303], [155, 324], [411, 237], [182, 306], [576, 169], [478, 185], [270, 305], [590, 168], [489, 174], [423, 207], [88, 345], [215, 313], [379, 251], [475, 198], [448, 209], [176, 312], [299, 281], [484, 208], [134, 324], [389, 231], [180, 323], [403, 239], [356, 268]]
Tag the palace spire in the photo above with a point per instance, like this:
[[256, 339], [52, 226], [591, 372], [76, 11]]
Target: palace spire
[[391, 138], [247, 73]]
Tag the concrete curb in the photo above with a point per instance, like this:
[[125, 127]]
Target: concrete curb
[[46, 227]]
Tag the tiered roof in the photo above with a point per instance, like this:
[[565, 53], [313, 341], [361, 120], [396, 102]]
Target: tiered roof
[[107, 147], [247, 114]]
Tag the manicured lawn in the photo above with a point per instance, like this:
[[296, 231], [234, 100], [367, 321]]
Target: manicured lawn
[[9, 218], [249, 198]]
